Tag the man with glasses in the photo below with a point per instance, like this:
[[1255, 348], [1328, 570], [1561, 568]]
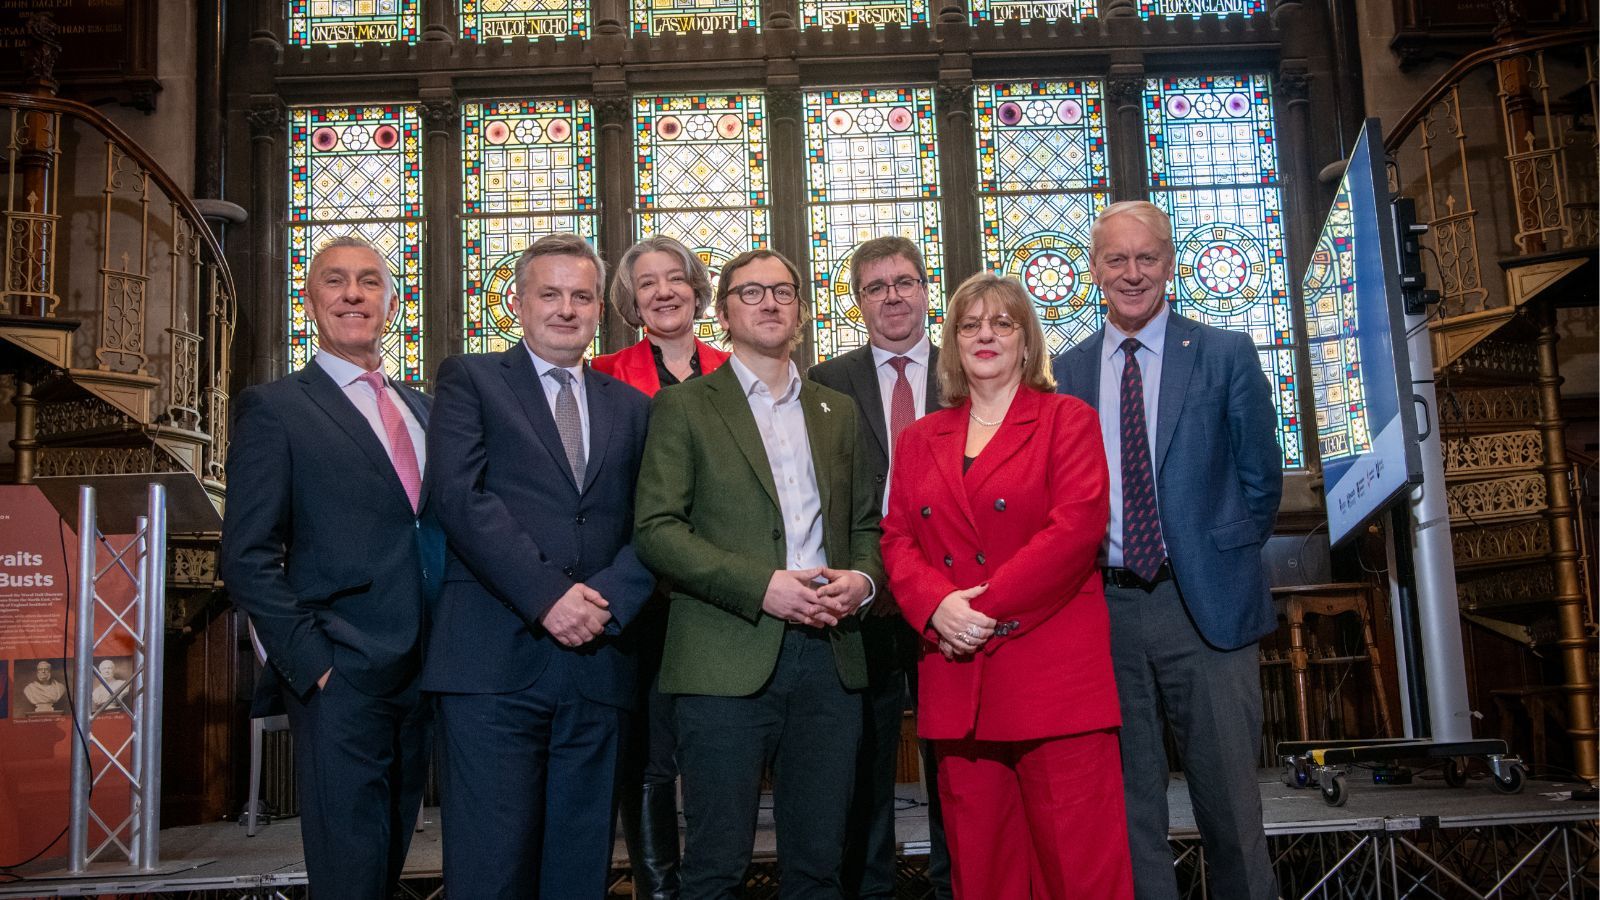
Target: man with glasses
[[892, 381], [756, 508]]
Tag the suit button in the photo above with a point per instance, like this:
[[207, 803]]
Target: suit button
[[568, 571], [1000, 505], [579, 519], [776, 534], [927, 511], [980, 559], [949, 560], [881, 478]]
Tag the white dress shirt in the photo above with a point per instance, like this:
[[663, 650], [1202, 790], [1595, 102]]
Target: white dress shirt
[[917, 374], [781, 420], [1153, 337], [552, 389], [345, 374]]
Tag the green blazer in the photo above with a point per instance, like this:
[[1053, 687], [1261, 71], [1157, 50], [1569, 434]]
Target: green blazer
[[707, 522]]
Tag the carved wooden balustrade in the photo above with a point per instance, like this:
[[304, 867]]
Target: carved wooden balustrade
[[117, 309], [1500, 156]]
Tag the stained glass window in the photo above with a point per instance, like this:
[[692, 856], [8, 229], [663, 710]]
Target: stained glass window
[[358, 170], [527, 170], [1175, 8], [701, 177], [1213, 160], [352, 21], [1330, 303], [1027, 10], [1042, 178], [690, 16], [872, 170], [859, 13], [505, 19]]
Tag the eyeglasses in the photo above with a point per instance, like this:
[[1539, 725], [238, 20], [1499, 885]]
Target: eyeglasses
[[904, 288], [1002, 326], [752, 293]]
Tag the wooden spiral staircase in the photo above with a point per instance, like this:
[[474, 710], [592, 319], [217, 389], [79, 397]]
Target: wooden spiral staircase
[[1500, 157], [117, 313]]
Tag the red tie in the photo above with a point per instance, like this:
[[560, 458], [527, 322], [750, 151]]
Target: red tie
[[902, 409], [402, 453], [1141, 523]]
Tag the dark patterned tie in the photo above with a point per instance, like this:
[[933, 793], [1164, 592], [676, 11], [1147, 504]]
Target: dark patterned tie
[[568, 423], [1141, 525], [902, 407]]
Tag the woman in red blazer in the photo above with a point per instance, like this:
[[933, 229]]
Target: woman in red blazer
[[662, 287], [996, 514]]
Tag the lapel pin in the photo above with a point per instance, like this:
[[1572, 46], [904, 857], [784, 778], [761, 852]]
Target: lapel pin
[[825, 408], [1186, 342]]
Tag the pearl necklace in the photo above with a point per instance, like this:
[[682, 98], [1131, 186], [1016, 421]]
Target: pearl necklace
[[985, 422]]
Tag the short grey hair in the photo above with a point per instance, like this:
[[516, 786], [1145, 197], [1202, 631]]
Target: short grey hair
[[1142, 211], [562, 243], [626, 302], [351, 240]]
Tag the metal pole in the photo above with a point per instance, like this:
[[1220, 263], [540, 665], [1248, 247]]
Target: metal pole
[[141, 656], [82, 666], [1438, 610], [154, 627]]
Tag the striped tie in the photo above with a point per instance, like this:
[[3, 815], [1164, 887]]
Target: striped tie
[[1142, 552]]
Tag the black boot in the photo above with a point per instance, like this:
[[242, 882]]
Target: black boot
[[653, 847]]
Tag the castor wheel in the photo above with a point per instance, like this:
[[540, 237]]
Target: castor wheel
[[1512, 782], [1296, 772], [1455, 774], [1334, 792]]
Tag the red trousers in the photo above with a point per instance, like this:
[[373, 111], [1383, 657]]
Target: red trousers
[[1036, 820]]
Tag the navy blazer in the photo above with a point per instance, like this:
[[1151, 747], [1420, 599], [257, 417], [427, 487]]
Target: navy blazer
[[1219, 471], [319, 542], [520, 533]]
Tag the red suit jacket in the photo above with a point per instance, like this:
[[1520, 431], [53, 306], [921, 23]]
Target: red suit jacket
[[1028, 519], [636, 365]]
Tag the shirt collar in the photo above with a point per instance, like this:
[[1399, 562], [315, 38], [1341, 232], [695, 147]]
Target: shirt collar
[[542, 366], [343, 372], [751, 383], [917, 354], [1153, 335]]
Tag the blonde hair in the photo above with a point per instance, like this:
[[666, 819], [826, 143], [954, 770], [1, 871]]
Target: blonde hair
[[626, 302], [1007, 296], [1142, 211]]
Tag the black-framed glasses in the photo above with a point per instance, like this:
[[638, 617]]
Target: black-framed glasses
[[751, 292], [1002, 326], [904, 287]]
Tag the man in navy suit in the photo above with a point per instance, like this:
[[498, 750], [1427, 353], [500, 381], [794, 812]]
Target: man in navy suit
[[321, 546], [536, 456], [1196, 475], [893, 382]]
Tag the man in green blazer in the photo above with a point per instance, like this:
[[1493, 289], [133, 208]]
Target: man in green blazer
[[756, 510]]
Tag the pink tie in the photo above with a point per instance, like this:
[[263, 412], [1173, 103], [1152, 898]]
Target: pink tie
[[402, 453]]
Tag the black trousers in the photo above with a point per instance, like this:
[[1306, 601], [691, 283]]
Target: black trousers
[[649, 752], [807, 726], [360, 763]]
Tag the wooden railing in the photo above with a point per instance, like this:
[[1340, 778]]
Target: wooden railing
[[103, 247]]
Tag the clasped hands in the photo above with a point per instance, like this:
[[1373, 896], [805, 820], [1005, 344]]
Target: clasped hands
[[793, 595], [577, 617], [962, 630]]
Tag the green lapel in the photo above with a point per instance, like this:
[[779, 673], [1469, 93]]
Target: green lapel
[[728, 399], [821, 418]]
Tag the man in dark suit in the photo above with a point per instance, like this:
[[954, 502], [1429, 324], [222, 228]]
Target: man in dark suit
[[321, 546], [893, 383], [1196, 475], [757, 509], [536, 457]]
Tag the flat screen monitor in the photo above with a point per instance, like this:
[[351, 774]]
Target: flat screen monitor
[[1356, 334]]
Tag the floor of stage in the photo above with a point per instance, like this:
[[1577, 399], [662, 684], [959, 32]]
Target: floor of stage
[[220, 856]]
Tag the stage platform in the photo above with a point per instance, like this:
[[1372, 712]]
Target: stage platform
[[1418, 840]]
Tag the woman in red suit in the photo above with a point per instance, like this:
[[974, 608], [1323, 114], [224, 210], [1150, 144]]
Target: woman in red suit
[[663, 287], [996, 514]]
